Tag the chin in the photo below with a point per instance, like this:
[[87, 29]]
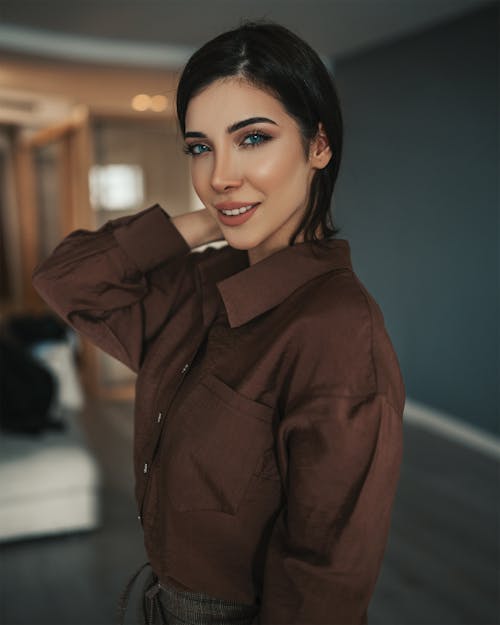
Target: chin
[[238, 245], [239, 241]]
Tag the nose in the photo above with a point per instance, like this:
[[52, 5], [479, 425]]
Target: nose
[[226, 172]]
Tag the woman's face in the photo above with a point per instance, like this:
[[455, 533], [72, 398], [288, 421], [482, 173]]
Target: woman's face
[[237, 160]]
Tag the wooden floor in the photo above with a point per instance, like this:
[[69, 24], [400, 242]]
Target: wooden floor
[[441, 565]]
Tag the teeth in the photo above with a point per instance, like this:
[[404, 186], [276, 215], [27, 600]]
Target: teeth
[[238, 211]]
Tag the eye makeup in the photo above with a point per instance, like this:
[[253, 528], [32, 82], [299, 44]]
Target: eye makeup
[[189, 149]]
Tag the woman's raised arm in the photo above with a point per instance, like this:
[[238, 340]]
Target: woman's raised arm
[[119, 284]]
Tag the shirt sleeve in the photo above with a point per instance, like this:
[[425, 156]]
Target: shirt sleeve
[[340, 458], [117, 285]]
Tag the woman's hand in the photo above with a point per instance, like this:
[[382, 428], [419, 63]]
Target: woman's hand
[[198, 227], [217, 234]]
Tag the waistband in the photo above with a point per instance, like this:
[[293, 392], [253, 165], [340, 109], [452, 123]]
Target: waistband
[[167, 605]]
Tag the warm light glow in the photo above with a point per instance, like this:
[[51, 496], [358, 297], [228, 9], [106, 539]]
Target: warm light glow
[[159, 103], [117, 186], [141, 102]]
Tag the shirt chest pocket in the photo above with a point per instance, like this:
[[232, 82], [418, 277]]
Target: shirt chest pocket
[[216, 443]]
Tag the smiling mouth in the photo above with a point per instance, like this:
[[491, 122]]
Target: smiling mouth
[[238, 211]]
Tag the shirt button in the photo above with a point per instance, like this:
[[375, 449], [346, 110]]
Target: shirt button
[[159, 417], [139, 517], [185, 368], [146, 467]]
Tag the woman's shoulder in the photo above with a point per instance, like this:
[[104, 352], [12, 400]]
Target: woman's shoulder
[[340, 329], [337, 299]]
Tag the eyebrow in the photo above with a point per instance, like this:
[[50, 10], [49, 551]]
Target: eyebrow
[[233, 127]]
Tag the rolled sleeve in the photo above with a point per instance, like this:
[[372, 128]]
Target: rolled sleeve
[[340, 458], [151, 238], [118, 285]]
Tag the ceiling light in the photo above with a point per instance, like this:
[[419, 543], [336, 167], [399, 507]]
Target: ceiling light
[[159, 103], [141, 102]]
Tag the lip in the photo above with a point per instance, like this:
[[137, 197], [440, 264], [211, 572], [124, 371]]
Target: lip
[[237, 220], [227, 206]]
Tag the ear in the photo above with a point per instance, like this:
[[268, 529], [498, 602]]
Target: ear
[[320, 152]]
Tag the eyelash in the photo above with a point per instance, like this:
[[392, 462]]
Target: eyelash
[[188, 149]]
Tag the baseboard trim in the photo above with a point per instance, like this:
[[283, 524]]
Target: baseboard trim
[[451, 427]]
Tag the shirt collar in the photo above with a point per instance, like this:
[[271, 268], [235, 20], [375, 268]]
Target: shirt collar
[[250, 290]]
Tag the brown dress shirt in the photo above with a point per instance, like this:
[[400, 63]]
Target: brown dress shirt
[[268, 411]]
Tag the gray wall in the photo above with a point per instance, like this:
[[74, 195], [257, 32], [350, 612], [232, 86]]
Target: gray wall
[[417, 197]]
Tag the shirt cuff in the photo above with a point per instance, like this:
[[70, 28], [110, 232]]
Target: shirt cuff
[[150, 238]]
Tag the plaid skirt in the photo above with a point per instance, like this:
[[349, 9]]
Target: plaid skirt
[[161, 605]]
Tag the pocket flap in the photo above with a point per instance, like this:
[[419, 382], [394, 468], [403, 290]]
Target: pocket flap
[[247, 406]]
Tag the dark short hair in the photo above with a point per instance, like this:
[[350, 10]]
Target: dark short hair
[[273, 58]]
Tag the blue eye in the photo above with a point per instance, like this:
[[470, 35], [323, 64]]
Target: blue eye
[[260, 136], [191, 149]]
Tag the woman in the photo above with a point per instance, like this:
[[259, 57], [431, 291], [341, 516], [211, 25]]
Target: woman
[[269, 399]]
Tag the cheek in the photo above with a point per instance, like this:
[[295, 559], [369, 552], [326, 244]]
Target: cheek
[[199, 177], [277, 168]]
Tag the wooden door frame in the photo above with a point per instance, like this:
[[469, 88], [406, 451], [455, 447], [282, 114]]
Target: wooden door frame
[[75, 138]]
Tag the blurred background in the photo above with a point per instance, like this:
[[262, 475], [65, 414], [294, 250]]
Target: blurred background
[[87, 134]]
